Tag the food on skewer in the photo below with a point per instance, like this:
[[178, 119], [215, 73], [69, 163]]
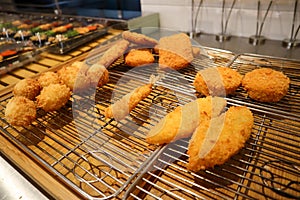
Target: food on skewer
[[114, 52], [138, 38], [181, 122], [53, 97], [216, 140], [121, 108], [20, 111], [175, 51], [266, 85], [217, 81], [28, 88]]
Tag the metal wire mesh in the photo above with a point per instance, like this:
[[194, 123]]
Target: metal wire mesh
[[102, 158]]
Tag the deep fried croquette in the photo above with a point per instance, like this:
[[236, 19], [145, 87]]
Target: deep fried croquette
[[175, 51], [97, 75], [20, 111], [48, 78], [113, 53], [266, 85], [215, 141], [219, 81], [139, 57], [53, 97], [181, 122], [138, 38], [121, 108], [28, 88]]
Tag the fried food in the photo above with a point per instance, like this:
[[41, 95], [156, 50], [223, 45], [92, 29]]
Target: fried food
[[121, 108], [53, 97], [97, 75], [175, 51], [72, 73], [215, 141], [181, 122], [266, 85], [28, 88], [138, 38], [196, 51], [48, 78], [139, 57], [20, 111], [219, 81], [113, 53]]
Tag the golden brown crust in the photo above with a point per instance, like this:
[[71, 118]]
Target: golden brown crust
[[138, 38], [266, 85], [97, 75], [175, 51], [53, 97], [139, 57], [113, 53], [220, 81], [28, 88], [181, 122], [196, 51], [48, 78], [20, 111], [215, 141]]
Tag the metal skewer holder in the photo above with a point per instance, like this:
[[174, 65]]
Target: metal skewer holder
[[258, 39], [195, 14]]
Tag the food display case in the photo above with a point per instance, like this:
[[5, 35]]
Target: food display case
[[77, 153]]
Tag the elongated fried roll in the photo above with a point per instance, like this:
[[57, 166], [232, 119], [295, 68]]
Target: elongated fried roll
[[121, 108], [181, 122], [215, 141]]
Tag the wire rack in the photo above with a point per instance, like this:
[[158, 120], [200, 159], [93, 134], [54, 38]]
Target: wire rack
[[102, 159]]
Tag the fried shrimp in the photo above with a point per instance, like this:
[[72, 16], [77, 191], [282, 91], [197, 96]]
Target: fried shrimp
[[215, 141], [114, 52], [266, 85], [220, 81], [53, 97], [181, 122], [48, 78], [20, 111], [139, 39], [28, 88], [121, 108]]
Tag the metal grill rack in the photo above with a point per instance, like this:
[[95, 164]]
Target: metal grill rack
[[102, 158]]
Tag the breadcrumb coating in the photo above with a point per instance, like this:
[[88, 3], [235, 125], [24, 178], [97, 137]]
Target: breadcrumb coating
[[217, 81], [181, 122], [138, 38], [139, 57], [266, 85], [216, 140], [28, 88], [97, 75], [48, 78], [53, 97], [20, 111]]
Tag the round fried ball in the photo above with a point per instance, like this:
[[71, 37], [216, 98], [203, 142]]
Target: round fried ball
[[266, 85], [53, 97], [20, 111], [219, 81], [48, 78], [28, 88]]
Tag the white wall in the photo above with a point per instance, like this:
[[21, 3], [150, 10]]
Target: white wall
[[176, 14]]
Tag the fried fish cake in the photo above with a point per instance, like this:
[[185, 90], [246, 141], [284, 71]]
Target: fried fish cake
[[53, 97], [175, 51], [266, 85], [113, 53], [48, 78], [20, 111], [138, 38], [215, 141], [181, 122], [139, 57], [28, 88], [219, 81]]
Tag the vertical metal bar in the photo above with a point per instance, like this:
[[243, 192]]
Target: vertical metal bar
[[228, 16], [264, 19], [257, 17], [294, 19], [222, 18]]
